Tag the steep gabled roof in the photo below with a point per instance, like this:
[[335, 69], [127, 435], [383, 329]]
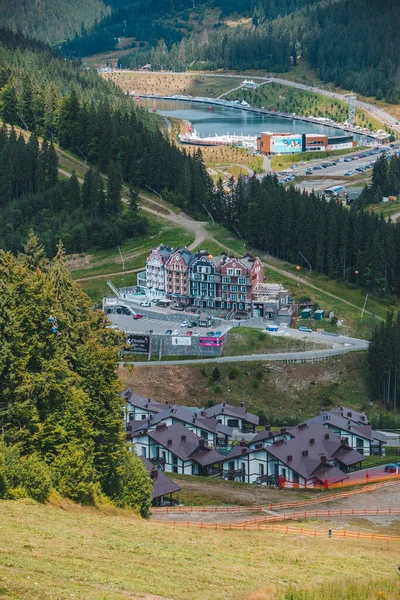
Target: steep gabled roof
[[162, 485], [231, 411], [328, 418], [184, 444], [350, 413], [142, 402], [180, 413]]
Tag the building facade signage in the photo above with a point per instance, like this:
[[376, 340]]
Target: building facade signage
[[138, 343]]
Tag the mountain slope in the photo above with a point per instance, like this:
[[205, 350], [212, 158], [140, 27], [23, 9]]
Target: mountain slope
[[50, 20]]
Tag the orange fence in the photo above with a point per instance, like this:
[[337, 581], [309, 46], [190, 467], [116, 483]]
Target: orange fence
[[341, 512], [283, 529], [394, 480]]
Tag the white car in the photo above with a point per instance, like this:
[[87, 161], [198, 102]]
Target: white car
[[175, 332], [184, 324], [145, 304], [196, 332]]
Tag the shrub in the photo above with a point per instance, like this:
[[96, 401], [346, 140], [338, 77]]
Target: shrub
[[74, 474], [216, 374], [135, 486], [233, 372], [34, 476]]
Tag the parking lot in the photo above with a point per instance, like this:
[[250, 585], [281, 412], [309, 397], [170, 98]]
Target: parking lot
[[159, 327]]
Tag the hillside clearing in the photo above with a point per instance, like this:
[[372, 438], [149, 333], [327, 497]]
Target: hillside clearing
[[88, 554]]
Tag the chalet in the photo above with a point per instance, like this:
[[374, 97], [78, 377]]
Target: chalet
[[359, 436], [213, 433], [236, 417], [176, 449], [163, 486], [303, 456], [138, 407]]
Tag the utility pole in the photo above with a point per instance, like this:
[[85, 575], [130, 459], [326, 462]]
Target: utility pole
[[122, 258], [239, 234], [302, 255], [362, 312], [213, 222]]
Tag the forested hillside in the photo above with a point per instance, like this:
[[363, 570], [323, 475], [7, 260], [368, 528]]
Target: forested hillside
[[49, 96], [50, 20], [357, 247], [60, 407]]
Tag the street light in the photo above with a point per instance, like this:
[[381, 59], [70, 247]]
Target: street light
[[298, 275]]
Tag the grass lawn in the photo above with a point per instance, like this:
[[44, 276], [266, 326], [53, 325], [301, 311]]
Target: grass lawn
[[87, 554], [283, 162], [244, 340], [387, 209]]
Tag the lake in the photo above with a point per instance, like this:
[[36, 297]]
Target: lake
[[223, 120]]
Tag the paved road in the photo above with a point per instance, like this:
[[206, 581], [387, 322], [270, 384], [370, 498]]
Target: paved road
[[283, 356]]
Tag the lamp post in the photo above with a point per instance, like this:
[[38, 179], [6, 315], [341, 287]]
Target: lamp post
[[298, 275]]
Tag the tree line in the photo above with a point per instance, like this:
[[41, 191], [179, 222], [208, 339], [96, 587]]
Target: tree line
[[384, 362], [32, 197], [96, 121], [60, 405], [385, 182], [353, 246]]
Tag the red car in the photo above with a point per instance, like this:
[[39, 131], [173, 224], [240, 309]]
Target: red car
[[137, 316], [189, 333]]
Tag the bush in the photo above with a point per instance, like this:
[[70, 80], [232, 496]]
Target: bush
[[34, 476], [233, 372], [135, 486], [74, 475], [216, 374]]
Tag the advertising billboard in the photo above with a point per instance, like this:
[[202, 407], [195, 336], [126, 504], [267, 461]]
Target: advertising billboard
[[287, 144], [212, 342], [181, 341], [137, 343]]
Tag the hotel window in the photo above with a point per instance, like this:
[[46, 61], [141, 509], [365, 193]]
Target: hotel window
[[224, 296], [243, 288], [242, 280], [225, 288], [230, 271], [238, 272], [233, 296], [226, 280], [234, 288]]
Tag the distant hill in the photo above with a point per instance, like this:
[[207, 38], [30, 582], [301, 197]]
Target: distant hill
[[51, 20]]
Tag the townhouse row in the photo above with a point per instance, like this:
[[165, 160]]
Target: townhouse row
[[320, 451], [201, 279]]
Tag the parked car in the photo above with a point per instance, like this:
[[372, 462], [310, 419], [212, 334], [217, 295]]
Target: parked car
[[145, 303], [176, 332], [196, 332], [184, 324], [392, 467], [348, 174], [189, 333], [218, 333], [138, 316], [111, 326], [210, 334], [307, 329], [168, 332]]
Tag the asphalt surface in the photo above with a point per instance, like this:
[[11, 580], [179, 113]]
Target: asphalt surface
[[130, 325]]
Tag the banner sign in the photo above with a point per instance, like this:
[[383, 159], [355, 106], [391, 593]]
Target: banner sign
[[181, 341], [213, 342], [138, 343]]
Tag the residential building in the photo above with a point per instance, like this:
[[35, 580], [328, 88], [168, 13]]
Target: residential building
[[213, 433], [203, 280], [271, 301], [236, 417], [176, 449], [359, 436], [177, 276], [303, 456], [200, 279], [155, 271], [138, 407], [163, 486]]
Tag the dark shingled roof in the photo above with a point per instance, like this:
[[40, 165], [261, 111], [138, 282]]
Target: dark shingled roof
[[162, 485], [231, 411], [346, 424], [185, 444], [349, 413], [142, 402]]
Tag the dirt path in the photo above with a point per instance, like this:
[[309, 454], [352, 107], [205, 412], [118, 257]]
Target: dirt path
[[395, 216]]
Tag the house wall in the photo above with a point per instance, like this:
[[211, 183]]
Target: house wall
[[354, 440]]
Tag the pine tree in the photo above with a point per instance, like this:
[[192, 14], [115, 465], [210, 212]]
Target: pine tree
[[33, 256]]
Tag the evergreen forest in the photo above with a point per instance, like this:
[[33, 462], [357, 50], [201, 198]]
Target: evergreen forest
[[60, 404], [51, 97]]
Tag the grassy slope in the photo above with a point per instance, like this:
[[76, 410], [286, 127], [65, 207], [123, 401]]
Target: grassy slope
[[86, 554], [281, 391]]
